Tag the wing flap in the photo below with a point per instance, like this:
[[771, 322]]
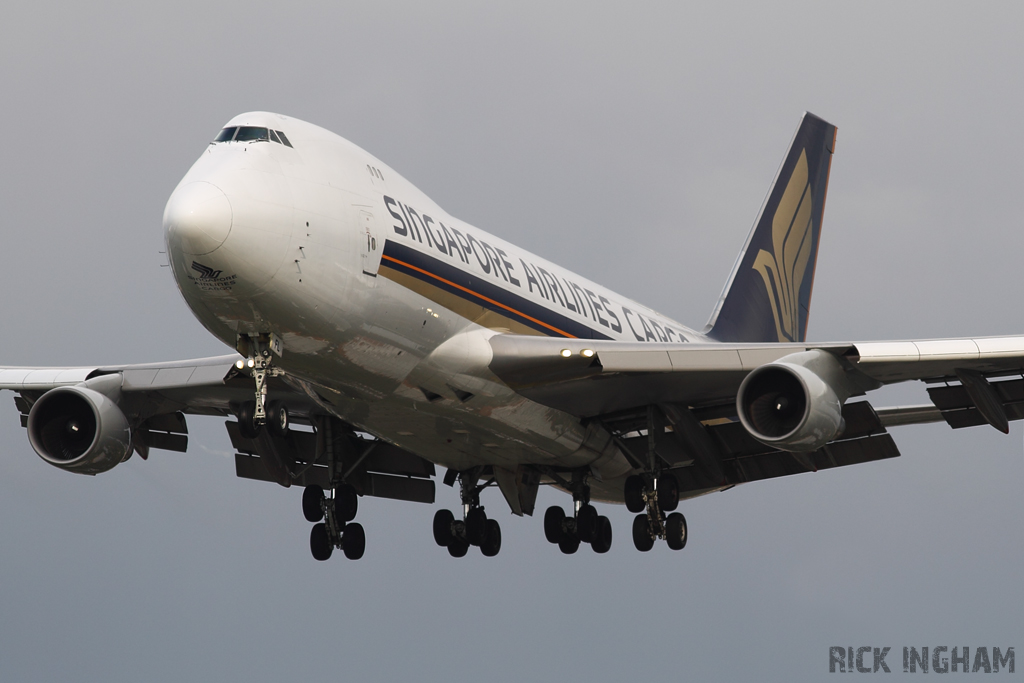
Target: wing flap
[[739, 458], [374, 468], [959, 410], [750, 463]]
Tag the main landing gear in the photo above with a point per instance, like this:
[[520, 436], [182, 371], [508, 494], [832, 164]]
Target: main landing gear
[[653, 498], [585, 526], [337, 530], [474, 528]]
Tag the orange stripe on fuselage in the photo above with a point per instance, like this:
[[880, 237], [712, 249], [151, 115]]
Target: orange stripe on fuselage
[[477, 295]]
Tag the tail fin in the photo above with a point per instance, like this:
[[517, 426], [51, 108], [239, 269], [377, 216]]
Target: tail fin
[[768, 295]]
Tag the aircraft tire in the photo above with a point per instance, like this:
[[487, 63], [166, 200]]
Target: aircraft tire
[[346, 503], [319, 544], [553, 517], [353, 541], [492, 540], [458, 547], [569, 544], [586, 523], [602, 542], [443, 527], [675, 531], [312, 503], [668, 492], [633, 493], [476, 526], [247, 426], [642, 538], [278, 421]]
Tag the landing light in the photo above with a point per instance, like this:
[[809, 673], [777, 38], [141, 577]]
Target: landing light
[[251, 363], [239, 363], [566, 353], [587, 353]]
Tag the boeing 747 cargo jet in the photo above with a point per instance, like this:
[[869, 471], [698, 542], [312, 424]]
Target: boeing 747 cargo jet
[[377, 336]]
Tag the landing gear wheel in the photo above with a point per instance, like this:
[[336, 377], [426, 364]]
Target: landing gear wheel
[[313, 503], [602, 542], [277, 419], [247, 426], [353, 541], [634, 493], [569, 544], [443, 527], [319, 543], [668, 492], [553, 518], [458, 547], [346, 503], [675, 531], [492, 539], [642, 537], [586, 523], [476, 526]]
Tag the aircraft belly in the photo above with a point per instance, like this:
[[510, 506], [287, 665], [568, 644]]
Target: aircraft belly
[[377, 377]]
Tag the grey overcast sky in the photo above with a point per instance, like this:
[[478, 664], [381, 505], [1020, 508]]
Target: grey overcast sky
[[632, 143]]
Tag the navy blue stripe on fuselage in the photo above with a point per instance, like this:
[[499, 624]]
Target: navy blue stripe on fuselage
[[479, 291]]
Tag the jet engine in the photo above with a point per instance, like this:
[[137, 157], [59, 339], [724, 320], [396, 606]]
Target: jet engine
[[795, 403], [79, 429]]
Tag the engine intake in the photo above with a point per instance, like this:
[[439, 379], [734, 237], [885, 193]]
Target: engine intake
[[79, 430], [795, 403]]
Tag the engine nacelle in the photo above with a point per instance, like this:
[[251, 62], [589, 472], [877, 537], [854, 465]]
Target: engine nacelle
[[79, 429], [795, 403]]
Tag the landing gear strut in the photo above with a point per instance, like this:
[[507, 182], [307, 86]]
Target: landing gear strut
[[252, 415], [474, 528], [585, 526]]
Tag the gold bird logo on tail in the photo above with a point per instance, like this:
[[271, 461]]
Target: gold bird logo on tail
[[783, 272]]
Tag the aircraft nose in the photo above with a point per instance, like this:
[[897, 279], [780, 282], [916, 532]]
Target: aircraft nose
[[198, 218]]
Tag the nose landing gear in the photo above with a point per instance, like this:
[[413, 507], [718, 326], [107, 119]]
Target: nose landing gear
[[252, 415]]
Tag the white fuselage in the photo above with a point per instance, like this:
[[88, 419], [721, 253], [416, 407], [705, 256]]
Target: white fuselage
[[383, 301]]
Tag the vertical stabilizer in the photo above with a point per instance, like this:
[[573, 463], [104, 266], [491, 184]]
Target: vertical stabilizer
[[768, 295]]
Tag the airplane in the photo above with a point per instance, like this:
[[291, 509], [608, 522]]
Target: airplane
[[377, 337]]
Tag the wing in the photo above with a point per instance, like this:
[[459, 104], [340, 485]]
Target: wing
[[621, 375], [151, 402], [690, 390]]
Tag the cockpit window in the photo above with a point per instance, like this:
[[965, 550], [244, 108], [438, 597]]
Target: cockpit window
[[248, 133], [251, 134]]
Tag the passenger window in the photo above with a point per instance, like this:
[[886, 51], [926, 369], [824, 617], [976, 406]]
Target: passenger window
[[251, 133], [284, 138], [225, 134], [273, 136]]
